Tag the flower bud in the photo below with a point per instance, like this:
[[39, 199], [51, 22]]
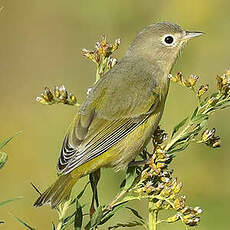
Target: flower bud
[[216, 142], [193, 79], [57, 92], [198, 210], [41, 100], [179, 203], [173, 219], [73, 99], [48, 95], [208, 134], [202, 90]]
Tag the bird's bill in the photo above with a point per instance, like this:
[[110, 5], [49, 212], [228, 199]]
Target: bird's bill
[[191, 34]]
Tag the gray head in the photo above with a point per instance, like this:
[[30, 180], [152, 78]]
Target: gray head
[[161, 42]]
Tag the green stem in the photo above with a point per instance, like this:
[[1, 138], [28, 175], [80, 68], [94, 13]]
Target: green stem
[[153, 213], [114, 201], [176, 138], [98, 73], [62, 212]]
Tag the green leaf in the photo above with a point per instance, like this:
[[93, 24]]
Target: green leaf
[[204, 101], [3, 159], [53, 226], [8, 201], [135, 212], [7, 140], [96, 218], [178, 126], [3, 156], [183, 147], [226, 104], [199, 118], [203, 124], [130, 177], [108, 215], [24, 223], [82, 192], [128, 198], [128, 225], [78, 216], [194, 113]]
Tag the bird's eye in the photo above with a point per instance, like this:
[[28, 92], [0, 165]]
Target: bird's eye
[[168, 40]]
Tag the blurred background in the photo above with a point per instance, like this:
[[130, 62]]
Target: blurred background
[[40, 45]]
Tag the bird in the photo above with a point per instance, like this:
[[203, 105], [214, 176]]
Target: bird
[[121, 111]]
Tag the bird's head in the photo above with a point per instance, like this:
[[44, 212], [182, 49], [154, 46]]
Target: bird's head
[[161, 42]]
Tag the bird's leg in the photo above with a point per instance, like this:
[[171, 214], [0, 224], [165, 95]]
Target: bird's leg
[[94, 179]]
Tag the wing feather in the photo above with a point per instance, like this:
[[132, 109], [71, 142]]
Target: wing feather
[[72, 158]]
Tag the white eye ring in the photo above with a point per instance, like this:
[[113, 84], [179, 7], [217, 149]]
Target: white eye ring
[[168, 40]]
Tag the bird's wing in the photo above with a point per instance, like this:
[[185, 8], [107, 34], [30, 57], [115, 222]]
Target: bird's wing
[[99, 126]]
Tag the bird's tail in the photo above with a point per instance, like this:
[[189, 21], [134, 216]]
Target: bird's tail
[[58, 192]]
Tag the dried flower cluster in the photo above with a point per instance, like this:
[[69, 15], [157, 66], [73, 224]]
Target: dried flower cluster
[[59, 95], [210, 139], [223, 83], [179, 78], [101, 55], [157, 184]]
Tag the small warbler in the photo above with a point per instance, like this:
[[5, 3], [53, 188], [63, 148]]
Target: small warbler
[[121, 112]]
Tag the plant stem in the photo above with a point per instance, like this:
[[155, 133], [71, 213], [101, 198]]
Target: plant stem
[[62, 211], [153, 213], [114, 201], [176, 138]]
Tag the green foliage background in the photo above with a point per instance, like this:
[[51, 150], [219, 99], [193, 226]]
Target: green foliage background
[[40, 45]]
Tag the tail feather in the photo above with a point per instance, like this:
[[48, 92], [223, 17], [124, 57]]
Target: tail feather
[[57, 193]]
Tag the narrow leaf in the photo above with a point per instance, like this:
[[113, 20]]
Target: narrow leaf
[[82, 192], [183, 147], [135, 212], [108, 215], [204, 101], [128, 225], [194, 113], [78, 216], [7, 140], [130, 177], [178, 126], [8, 201], [199, 118], [3, 159], [24, 223], [97, 216], [53, 226]]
